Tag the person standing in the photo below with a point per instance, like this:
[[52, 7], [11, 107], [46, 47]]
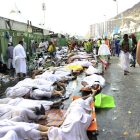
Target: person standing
[[19, 59], [117, 46], [98, 45], [126, 47], [138, 53], [32, 46], [9, 52], [134, 44], [42, 45], [3, 67], [47, 44], [113, 47], [51, 49]]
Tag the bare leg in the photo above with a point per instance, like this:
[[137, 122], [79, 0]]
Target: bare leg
[[84, 83], [42, 128], [44, 134], [55, 93]]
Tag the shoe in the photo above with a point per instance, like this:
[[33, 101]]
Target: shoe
[[132, 65]]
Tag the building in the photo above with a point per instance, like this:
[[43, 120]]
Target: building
[[110, 25], [102, 29], [92, 31]]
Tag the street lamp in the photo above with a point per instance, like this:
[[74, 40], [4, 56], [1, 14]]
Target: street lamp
[[105, 24], [117, 12]]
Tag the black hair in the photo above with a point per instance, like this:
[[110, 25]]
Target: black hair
[[20, 42], [126, 35]]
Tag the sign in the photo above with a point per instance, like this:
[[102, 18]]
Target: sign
[[116, 30], [43, 6], [106, 34]]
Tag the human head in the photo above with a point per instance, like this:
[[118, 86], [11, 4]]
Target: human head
[[9, 44], [126, 37], [32, 39], [42, 40], [21, 43], [130, 36], [118, 38], [46, 39], [105, 38], [133, 36]]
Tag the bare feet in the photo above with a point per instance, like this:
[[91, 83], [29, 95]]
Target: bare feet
[[57, 93]]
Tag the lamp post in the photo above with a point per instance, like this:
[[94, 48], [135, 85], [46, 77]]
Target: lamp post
[[105, 24], [117, 13]]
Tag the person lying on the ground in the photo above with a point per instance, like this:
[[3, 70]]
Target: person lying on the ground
[[10, 135], [33, 105], [37, 90], [93, 81], [23, 130], [3, 67], [77, 120], [81, 63], [91, 70], [54, 76], [20, 114]]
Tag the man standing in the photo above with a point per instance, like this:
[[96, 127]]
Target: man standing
[[126, 47], [113, 47], [19, 59], [9, 52], [42, 45], [134, 44], [117, 46], [47, 44]]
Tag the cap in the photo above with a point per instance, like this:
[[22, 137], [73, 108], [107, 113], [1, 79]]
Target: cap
[[132, 35], [9, 43]]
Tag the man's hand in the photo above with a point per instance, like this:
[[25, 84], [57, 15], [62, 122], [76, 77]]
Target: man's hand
[[2, 65]]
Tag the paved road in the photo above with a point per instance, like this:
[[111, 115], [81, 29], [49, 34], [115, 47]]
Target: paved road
[[127, 98]]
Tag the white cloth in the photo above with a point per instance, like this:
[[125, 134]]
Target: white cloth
[[91, 80], [24, 44], [78, 119], [26, 103], [42, 46], [81, 63], [17, 114], [125, 61], [92, 70], [10, 135], [104, 50], [47, 44], [22, 129], [19, 60], [24, 86]]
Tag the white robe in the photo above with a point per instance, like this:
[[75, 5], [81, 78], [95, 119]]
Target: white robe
[[81, 63], [26, 103], [104, 50], [24, 86], [92, 70], [78, 119], [22, 129], [125, 61], [19, 60], [42, 46], [91, 80], [10, 135], [17, 114]]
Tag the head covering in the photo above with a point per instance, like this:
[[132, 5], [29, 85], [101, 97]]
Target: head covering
[[50, 42], [132, 35], [103, 42], [9, 43]]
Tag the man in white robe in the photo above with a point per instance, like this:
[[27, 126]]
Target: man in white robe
[[10, 135], [42, 45], [93, 81], [24, 131], [29, 104], [19, 114], [77, 120], [19, 59]]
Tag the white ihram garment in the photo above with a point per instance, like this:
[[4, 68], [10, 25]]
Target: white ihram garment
[[81, 63], [19, 59], [24, 86], [23, 130], [78, 119], [26, 103], [104, 50], [92, 70], [91, 80], [10, 135], [17, 114], [125, 62], [42, 46]]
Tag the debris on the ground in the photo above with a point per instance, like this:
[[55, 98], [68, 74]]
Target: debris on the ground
[[125, 133], [129, 112]]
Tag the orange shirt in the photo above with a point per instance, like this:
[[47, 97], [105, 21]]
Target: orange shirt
[[107, 43]]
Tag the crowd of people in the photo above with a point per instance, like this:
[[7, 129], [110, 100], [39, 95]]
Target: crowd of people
[[27, 101]]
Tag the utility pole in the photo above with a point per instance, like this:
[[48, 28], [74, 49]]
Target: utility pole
[[44, 9], [117, 24]]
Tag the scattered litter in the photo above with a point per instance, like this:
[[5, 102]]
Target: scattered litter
[[125, 133], [129, 112], [103, 130], [138, 134], [115, 111], [114, 87], [114, 118]]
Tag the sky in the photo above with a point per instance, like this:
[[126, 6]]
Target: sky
[[67, 16]]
